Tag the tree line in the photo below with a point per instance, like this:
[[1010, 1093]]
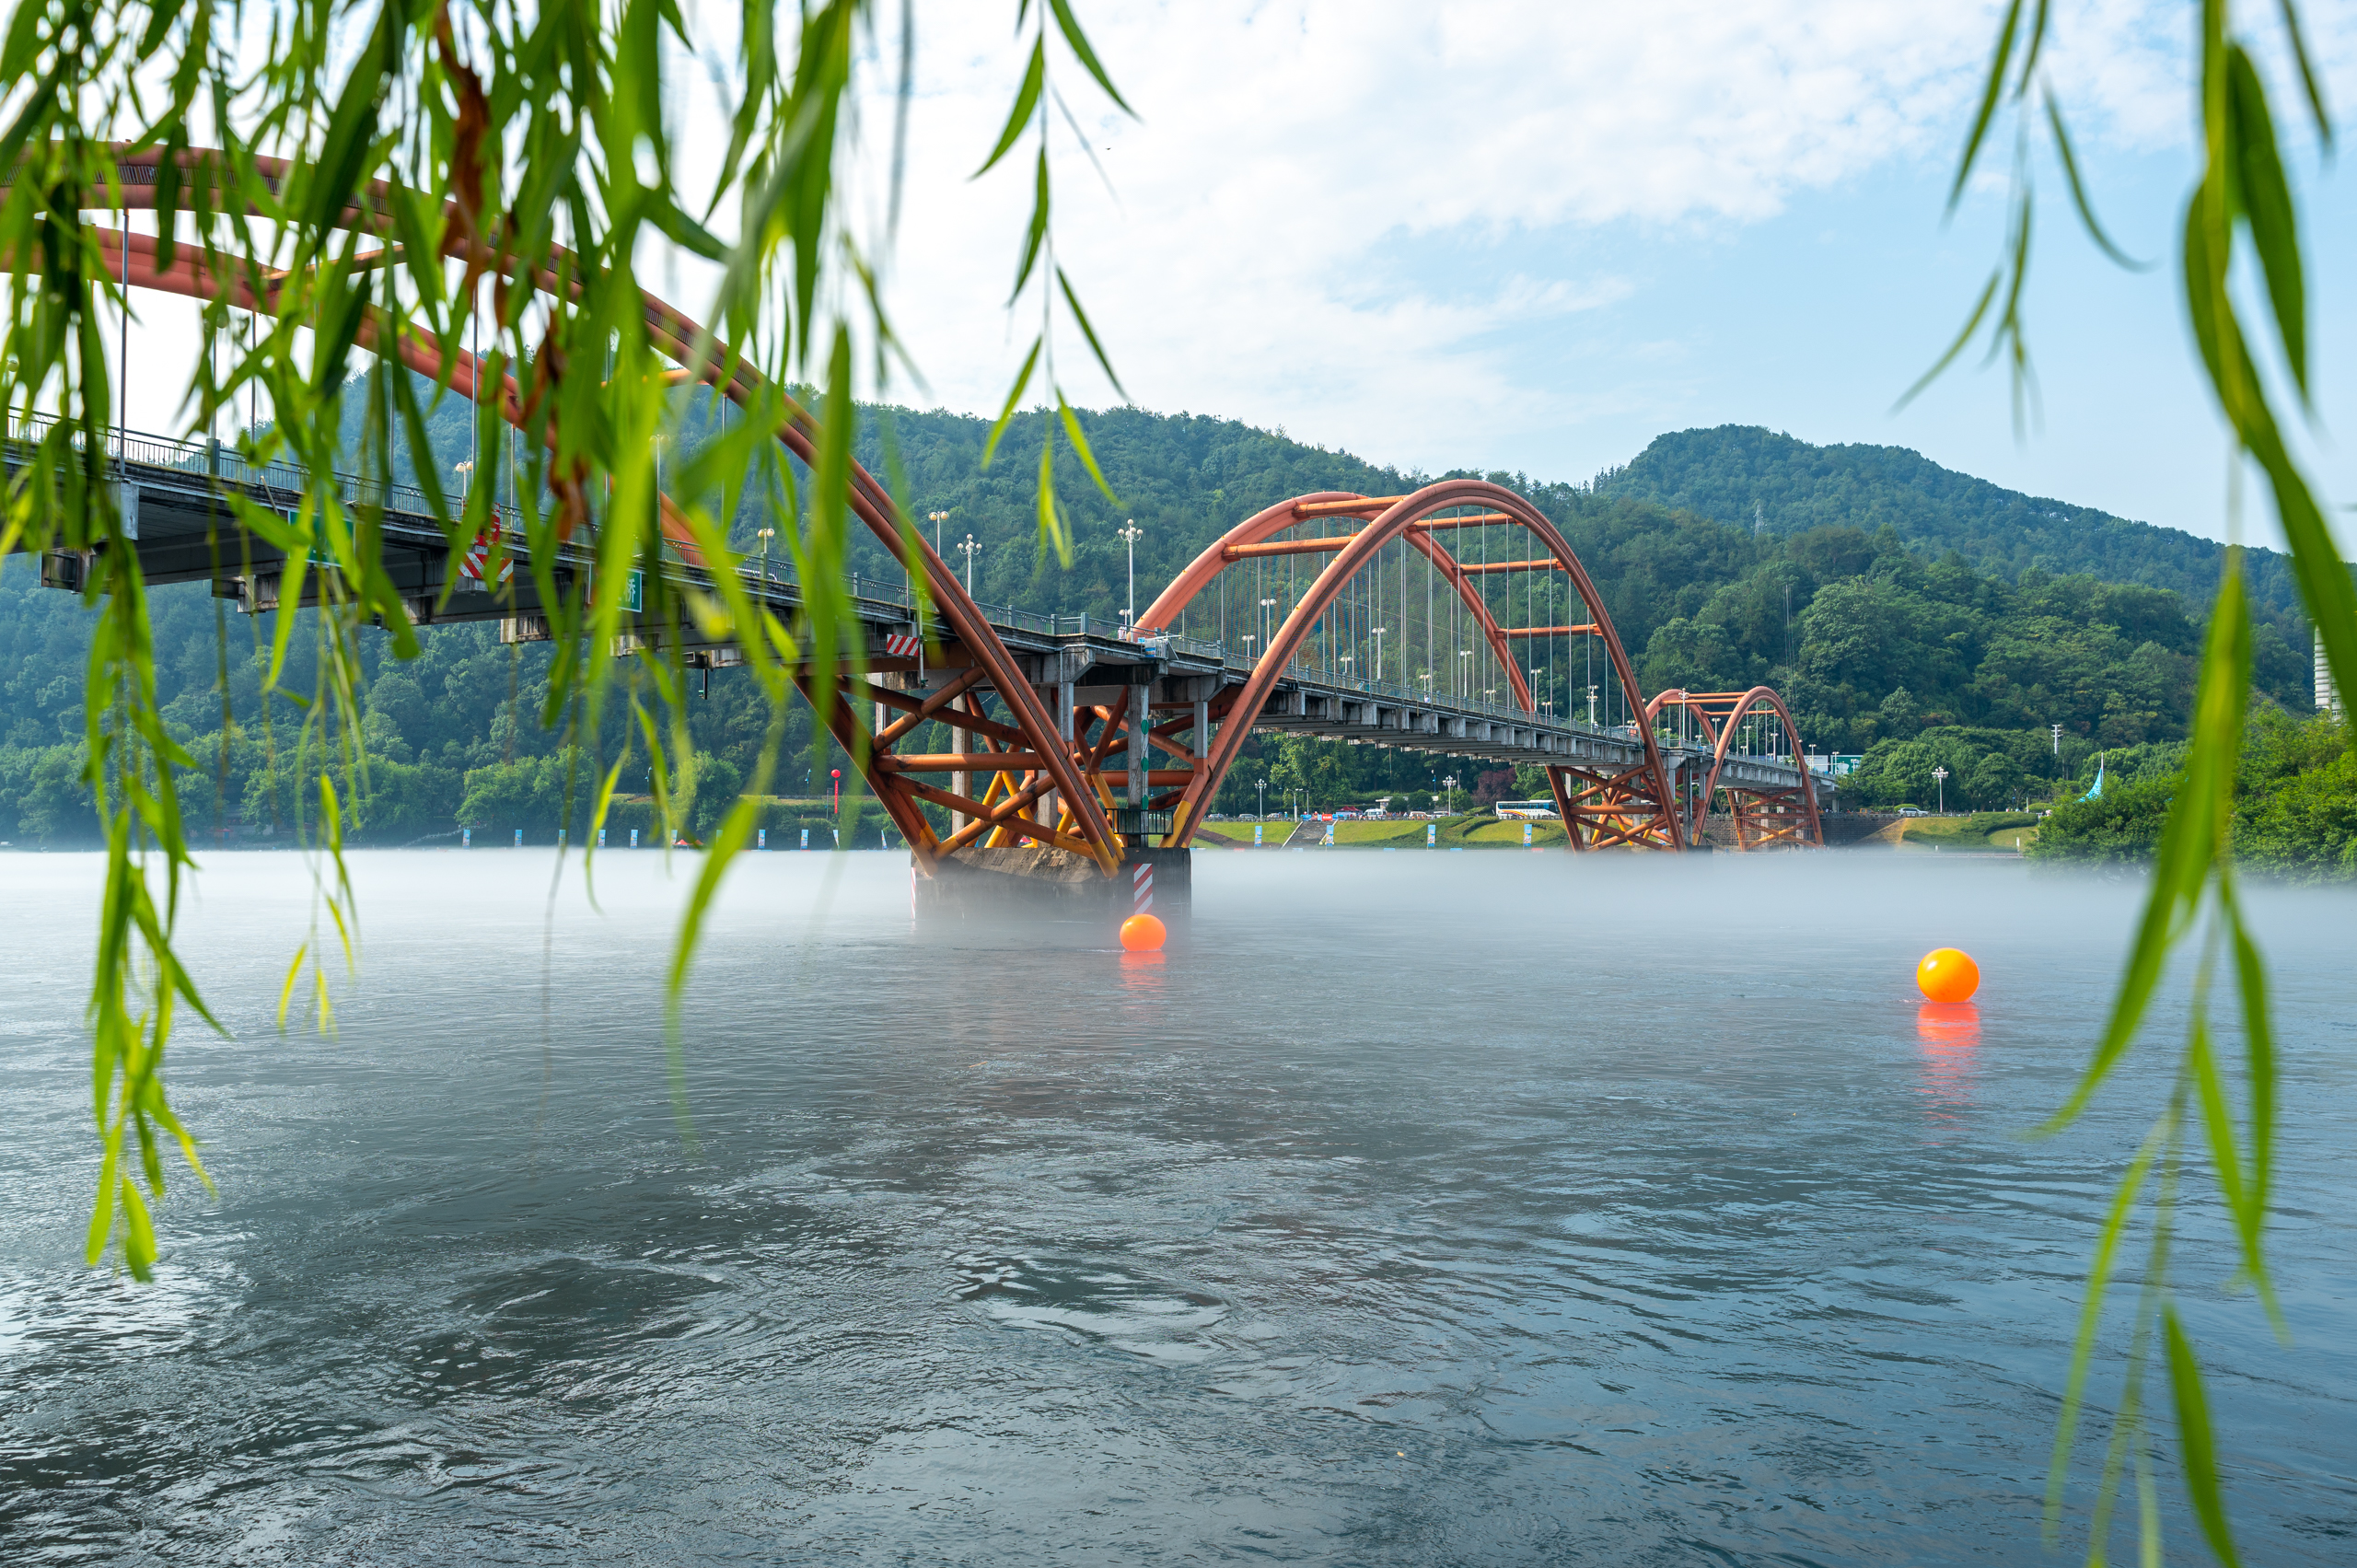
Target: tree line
[[1890, 643]]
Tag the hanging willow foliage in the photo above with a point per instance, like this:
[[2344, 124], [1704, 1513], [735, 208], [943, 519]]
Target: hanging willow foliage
[[2241, 207], [348, 188]]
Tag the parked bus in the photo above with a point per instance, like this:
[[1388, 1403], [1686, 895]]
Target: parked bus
[[1514, 811]]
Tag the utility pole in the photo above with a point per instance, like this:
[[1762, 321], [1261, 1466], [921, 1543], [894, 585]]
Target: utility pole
[[2058, 738], [1379, 630], [1131, 533], [971, 549], [1940, 777]]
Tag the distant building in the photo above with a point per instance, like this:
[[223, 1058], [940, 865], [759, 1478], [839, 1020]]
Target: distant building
[[2327, 697]]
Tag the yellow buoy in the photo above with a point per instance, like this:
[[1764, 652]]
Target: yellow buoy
[[1947, 974]]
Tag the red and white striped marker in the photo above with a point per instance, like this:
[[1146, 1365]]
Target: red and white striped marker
[[902, 644], [478, 557], [1141, 886]]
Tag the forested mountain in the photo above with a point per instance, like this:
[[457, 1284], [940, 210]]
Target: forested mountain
[[1743, 475], [1884, 639]]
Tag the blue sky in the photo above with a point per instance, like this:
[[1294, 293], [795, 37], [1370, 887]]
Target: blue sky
[[1533, 237], [1497, 234]]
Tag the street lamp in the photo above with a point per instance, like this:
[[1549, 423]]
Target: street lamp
[[971, 549], [1463, 669], [1591, 704], [1266, 606], [1131, 533], [1262, 786], [1940, 777], [1378, 633], [936, 520], [1449, 783], [464, 470], [765, 536], [1247, 640]]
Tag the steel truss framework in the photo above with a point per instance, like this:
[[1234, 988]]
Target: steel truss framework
[[1601, 806], [1030, 762], [1758, 818]]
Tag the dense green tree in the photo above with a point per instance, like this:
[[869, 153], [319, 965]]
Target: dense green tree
[[1877, 625]]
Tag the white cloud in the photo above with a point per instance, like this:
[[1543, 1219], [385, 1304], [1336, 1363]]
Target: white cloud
[[1325, 216], [1310, 213]]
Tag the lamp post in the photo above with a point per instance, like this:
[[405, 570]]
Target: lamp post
[[1131, 533], [464, 468], [971, 549], [1262, 786], [1464, 672], [1247, 640], [1266, 606], [1591, 705], [936, 520], [1940, 777], [1534, 685], [1449, 783], [765, 536], [1378, 633]]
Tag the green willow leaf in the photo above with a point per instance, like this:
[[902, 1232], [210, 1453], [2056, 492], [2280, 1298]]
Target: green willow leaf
[[1036, 234], [2199, 1444], [2266, 207], [1992, 91], [1027, 105], [1104, 361], [2079, 198], [1080, 444], [1971, 326], [1013, 396], [1077, 42], [2297, 35]]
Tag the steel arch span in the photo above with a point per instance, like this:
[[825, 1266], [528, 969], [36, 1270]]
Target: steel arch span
[[1035, 766], [1759, 817], [1601, 806]]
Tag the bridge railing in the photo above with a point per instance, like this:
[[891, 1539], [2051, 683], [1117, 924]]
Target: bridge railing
[[219, 460]]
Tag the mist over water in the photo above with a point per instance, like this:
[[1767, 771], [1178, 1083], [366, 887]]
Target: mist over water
[[1424, 1208]]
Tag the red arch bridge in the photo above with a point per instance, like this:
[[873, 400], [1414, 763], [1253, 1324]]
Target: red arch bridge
[[1073, 740]]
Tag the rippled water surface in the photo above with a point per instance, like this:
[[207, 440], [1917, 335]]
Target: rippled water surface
[[1461, 1209]]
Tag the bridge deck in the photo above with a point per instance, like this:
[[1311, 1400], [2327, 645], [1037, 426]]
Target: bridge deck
[[174, 490]]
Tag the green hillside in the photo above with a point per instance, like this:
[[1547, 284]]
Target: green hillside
[[1743, 475], [1886, 634]]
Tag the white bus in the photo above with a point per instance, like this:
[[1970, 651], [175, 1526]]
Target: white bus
[[1514, 811]]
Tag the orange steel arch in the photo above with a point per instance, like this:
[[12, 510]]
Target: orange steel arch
[[1600, 808], [1049, 764], [1760, 816]]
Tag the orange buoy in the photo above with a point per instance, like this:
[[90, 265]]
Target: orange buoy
[[1143, 934], [1948, 974]]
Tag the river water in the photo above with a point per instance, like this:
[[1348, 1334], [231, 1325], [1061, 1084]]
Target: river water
[[1425, 1209]]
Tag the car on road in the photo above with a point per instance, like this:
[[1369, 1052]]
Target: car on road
[[1912, 811]]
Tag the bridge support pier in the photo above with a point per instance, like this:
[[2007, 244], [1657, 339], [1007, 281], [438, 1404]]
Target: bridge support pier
[[1062, 897]]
